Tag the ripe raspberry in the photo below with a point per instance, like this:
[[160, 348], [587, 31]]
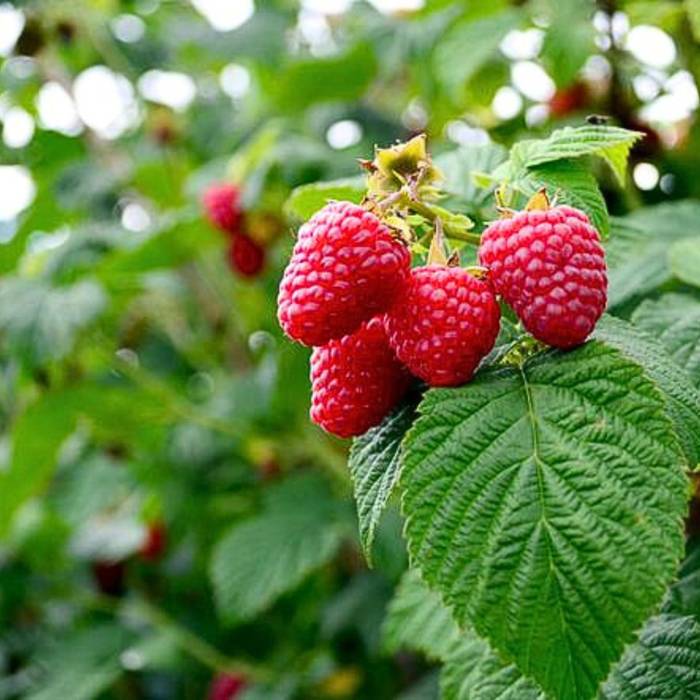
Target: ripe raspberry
[[223, 207], [245, 256], [154, 543], [550, 267], [226, 686], [346, 267], [444, 324], [356, 381]]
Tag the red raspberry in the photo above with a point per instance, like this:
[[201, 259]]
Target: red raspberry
[[550, 267], [223, 207], [245, 256], [356, 381], [226, 686], [346, 267], [154, 543], [444, 324]]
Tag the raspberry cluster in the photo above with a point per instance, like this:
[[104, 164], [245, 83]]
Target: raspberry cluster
[[222, 204], [349, 291]]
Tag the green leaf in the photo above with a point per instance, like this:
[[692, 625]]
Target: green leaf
[[467, 45], [473, 672], [119, 412], [682, 397], [460, 165], [338, 78], [306, 200], [637, 250], [611, 143], [42, 321], [684, 595], [82, 666], [569, 40], [675, 320], [172, 246], [545, 504], [574, 184], [298, 531], [374, 467], [664, 664], [692, 8], [418, 620], [684, 260]]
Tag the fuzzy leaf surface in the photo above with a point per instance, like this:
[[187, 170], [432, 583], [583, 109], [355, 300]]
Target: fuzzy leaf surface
[[545, 503]]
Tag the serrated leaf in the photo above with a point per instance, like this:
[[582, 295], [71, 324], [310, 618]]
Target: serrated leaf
[[569, 40], [459, 166], [473, 672], [417, 619], [545, 505], [636, 252], [427, 688], [682, 396], [374, 467], [675, 320], [664, 664], [467, 45], [611, 143], [42, 321], [306, 200], [661, 665], [684, 260], [261, 558], [574, 184]]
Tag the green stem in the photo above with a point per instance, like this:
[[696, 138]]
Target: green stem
[[186, 640], [450, 228], [198, 648]]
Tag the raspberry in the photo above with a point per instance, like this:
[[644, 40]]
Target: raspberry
[[154, 543], [356, 381], [444, 324], [226, 686], [550, 267], [223, 207], [245, 256], [346, 267]]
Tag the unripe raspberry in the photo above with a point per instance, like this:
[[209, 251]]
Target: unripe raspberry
[[356, 380], [550, 267], [346, 267], [223, 207], [245, 256], [226, 686], [443, 324]]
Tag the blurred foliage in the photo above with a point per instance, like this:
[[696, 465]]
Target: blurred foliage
[[144, 385]]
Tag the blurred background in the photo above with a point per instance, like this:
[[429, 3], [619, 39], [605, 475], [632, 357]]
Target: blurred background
[[171, 524]]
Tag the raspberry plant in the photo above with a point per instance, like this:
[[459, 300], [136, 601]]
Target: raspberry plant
[[503, 315], [543, 498]]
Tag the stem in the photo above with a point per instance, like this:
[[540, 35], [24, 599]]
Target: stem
[[432, 212], [198, 648], [186, 640]]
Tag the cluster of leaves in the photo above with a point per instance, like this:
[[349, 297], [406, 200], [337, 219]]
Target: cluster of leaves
[[142, 384]]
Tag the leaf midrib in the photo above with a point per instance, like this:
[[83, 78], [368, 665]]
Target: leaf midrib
[[539, 465]]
